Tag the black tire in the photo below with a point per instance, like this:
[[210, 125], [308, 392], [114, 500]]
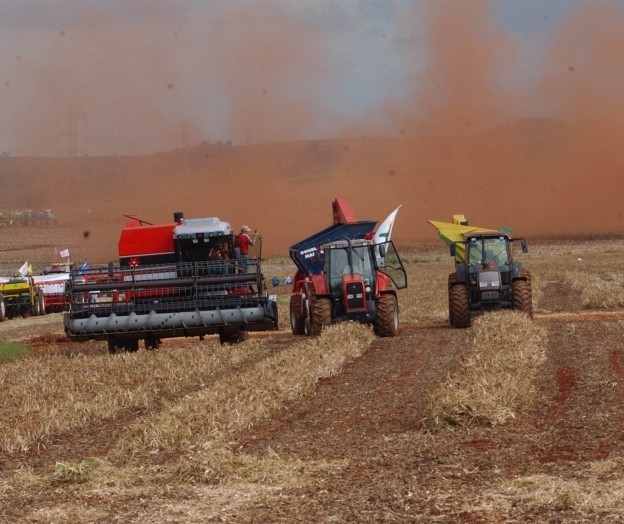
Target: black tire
[[34, 308], [151, 342], [459, 306], [235, 337], [521, 296], [320, 315], [387, 323], [131, 346], [112, 347], [2, 310], [42, 308], [452, 280], [297, 318]]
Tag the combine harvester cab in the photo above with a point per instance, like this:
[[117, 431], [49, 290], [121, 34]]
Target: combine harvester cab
[[167, 286], [486, 275], [344, 275]]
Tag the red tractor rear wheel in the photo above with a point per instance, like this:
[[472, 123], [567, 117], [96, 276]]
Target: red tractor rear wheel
[[320, 314], [297, 317], [387, 323]]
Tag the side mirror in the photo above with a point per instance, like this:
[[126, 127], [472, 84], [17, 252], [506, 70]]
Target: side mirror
[[525, 246], [382, 251]]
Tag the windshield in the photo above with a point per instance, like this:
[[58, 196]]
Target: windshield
[[337, 264], [490, 249]]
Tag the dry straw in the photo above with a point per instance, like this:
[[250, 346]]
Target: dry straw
[[495, 379], [598, 492], [202, 426], [49, 394]]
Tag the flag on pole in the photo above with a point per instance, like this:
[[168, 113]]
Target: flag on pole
[[384, 231], [83, 267], [64, 253], [23, 271]]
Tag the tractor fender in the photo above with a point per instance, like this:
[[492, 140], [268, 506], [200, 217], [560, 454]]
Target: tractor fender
[[318, 284], [516, 270], [298, 281], [383, 285], [462, 272]]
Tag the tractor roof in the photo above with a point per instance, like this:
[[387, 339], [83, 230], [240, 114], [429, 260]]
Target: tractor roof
[[210, 226], [341, 244]]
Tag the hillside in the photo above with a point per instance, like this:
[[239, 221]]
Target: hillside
[[525, 176]]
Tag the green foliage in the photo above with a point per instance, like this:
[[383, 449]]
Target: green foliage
[[10, 350]]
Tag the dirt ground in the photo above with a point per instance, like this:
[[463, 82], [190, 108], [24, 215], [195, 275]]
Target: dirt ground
[[398, 469]]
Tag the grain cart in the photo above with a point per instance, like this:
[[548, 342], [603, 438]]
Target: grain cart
[[21, 297], [342, 274], [165, 285], [486, 276]]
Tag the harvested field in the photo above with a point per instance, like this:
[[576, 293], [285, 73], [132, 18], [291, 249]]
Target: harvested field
[[521, 423]]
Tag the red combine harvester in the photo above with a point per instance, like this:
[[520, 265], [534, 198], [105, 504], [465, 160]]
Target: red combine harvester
[[169, 284], [344, 275]]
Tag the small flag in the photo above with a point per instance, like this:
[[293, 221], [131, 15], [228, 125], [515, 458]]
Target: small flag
[[64, 253], [83, 267], [23, 271], [384, 232]]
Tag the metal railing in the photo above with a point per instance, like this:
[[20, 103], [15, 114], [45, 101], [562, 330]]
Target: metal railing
[[197, 286]]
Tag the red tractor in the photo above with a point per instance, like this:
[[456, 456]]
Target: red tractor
[[343, 274], [169, 284]]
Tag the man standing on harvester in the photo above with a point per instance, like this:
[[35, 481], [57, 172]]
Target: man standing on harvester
[[242, 243]]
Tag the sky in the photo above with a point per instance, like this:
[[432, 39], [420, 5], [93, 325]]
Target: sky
[[111, 77]]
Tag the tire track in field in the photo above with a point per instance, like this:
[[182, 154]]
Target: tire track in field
[[379, 393], [581, 417]]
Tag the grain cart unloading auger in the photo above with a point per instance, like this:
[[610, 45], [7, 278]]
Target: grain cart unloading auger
[[166, 286], [344, 275], [486, 276]]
